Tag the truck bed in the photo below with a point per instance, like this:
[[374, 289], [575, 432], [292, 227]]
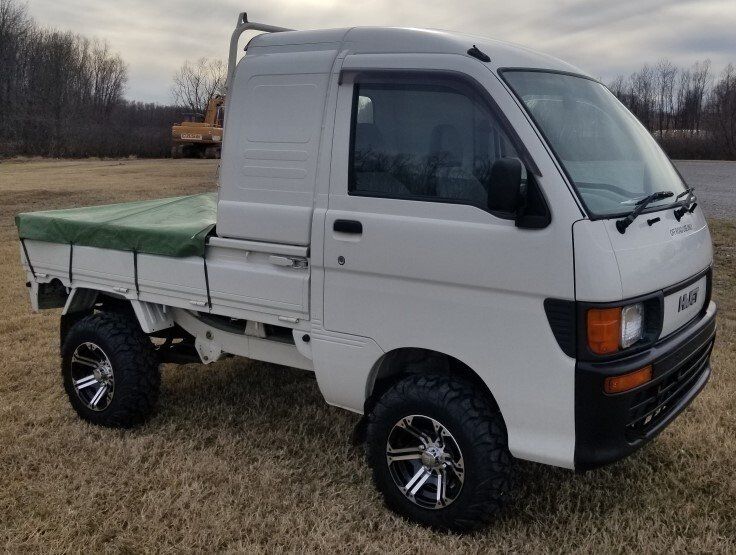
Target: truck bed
[[165, 252]]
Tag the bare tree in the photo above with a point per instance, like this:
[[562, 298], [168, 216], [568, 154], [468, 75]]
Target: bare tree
[[691, 94], [701, 115], [700, 83], [642, 95], [666, 73], [619, 87], [682, 100], [62, 95], [108, 75], [15, 25], [196, 83], [723, 108]]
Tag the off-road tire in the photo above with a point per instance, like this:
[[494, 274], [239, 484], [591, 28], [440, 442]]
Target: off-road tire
[[137, 376], [471, 417]]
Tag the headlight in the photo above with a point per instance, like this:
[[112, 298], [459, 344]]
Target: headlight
[[611, 329], [632, 324]]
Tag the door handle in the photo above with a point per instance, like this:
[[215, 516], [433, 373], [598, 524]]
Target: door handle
[[348, 226]]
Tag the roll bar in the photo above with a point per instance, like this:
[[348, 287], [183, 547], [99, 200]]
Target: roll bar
[[241, 27]]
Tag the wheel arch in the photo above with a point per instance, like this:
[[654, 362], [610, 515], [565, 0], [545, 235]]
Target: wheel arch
[[403, 361], [81, 301]]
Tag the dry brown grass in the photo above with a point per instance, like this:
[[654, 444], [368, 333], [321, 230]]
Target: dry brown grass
[[246, 456]]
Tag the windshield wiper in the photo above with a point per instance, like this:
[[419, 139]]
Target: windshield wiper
[[623, 223], [688, 191], [689, 203]]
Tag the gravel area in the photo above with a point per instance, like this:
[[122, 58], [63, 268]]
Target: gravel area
[[715, 185]]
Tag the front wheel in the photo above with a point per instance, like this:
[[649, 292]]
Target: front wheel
[[110, 370], [439, 454]]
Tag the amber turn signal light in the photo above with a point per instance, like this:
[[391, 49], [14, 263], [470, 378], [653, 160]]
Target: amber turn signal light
[[625, 382], [604, 329]]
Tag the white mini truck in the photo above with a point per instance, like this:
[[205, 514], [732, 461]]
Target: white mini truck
[[474, 245]]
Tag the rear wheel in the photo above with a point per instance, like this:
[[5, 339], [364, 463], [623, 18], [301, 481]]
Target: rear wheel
[[110, 370], [439, 452]]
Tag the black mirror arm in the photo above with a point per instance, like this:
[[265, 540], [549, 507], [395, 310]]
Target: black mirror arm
[[528, 216], [523, 199]]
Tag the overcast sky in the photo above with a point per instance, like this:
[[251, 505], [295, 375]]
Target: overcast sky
[[604, 37]]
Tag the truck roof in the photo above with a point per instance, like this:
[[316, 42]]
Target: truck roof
[[388, 40]]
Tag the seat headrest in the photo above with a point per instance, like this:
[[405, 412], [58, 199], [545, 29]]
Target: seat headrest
[[368, 137], [446, 144]]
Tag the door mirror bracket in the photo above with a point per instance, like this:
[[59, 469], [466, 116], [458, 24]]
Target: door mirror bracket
[[511, 196]]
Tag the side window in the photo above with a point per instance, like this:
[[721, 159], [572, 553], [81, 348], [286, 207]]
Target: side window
[[431, 140]]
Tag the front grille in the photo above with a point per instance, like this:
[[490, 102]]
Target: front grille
[[654, 403]]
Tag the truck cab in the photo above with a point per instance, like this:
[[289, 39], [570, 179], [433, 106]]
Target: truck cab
[[376, 148], [474, 245]]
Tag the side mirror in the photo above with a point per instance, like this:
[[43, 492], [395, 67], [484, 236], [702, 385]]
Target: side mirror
[[507, 192]]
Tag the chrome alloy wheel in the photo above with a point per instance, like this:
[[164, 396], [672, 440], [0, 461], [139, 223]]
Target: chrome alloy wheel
[[92, 376], [425, 461]]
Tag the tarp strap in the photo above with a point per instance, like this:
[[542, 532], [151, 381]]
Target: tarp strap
[[28, 258], [135, 273], [207, 282], [71, 259]]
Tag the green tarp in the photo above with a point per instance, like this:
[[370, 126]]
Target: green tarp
[[172, 226]]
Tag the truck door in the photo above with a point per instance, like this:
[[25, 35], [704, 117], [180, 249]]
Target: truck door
[[414, 258]]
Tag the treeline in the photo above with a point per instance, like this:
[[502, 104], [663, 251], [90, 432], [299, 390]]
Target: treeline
[[691, 112], [62, 95]]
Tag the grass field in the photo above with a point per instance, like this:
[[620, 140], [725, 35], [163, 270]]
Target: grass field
[[245, 456]]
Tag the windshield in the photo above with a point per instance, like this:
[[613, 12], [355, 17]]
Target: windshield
[[611, 158]]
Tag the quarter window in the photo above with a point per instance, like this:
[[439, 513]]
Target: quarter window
[[424, 141]]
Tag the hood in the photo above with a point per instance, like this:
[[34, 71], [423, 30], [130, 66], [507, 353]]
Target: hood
[[660, 255]]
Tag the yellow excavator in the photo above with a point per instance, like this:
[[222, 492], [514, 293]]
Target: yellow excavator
[[193, 138]]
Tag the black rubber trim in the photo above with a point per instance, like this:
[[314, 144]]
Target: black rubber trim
[[708, 273], [392, 76], [708, 289], [601, 419], [502, 70], [689, 281], [561, 315]]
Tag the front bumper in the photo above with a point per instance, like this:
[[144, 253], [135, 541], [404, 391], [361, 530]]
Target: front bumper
[[610, 427]]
